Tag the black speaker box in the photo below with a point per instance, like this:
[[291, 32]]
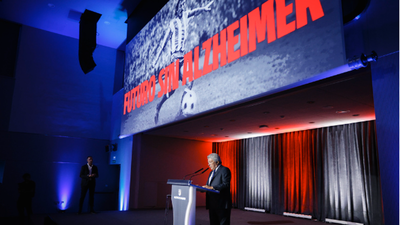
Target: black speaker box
[[87, 39]]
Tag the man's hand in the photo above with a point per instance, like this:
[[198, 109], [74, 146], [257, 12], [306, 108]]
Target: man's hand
[[208, 187]]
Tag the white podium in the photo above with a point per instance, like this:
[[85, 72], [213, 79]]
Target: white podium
[[183, 197]]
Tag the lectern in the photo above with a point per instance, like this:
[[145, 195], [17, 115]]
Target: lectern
[[183, 197]]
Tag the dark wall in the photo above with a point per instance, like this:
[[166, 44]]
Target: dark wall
[[9, 47], [52, 117], [6, 93], [385, 80], [8, 59], [378, 30], [54, 164], [139, 15], [53, 96], [119, 71], [157, 159]]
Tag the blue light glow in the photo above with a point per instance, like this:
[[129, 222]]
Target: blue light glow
[[123, 200], [357, 17], [124, 157], [66, 176], [124, 185]]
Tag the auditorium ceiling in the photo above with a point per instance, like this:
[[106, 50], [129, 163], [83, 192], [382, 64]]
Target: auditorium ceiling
[[342, 99], [62, 17]]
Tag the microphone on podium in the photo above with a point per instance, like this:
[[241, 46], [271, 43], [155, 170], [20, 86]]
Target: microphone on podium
[[199, 173], [192, 173]]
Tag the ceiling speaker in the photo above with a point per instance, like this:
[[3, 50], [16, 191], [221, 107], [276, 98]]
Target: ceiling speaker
[[87, 39]]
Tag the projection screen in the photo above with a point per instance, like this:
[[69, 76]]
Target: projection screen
[[196, 56]]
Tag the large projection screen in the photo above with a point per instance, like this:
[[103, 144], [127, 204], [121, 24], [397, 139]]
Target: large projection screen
[[196, 56]]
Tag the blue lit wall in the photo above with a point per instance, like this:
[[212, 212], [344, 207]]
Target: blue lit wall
[[123, 155], [66, 183], [377, 29], [53, 96], [54, 164], [125, 158], [385, 77], [57, 118]]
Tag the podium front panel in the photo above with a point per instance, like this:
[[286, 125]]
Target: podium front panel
[[184, 204]]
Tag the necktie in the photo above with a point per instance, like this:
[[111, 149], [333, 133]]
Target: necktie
[[209, 180]]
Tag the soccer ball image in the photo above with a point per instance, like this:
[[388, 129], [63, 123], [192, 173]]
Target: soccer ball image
[[188, 104]]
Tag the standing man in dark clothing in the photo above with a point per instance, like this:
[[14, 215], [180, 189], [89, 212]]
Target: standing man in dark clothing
[[26, 191], [218, 204], [88, 173]]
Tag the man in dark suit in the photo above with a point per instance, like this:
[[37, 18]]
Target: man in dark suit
[[89, 173], [218, 205]]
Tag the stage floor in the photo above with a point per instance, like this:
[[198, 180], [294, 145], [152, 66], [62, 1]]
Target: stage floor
[[157, 217]]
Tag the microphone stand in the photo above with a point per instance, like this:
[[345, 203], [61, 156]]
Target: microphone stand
[[192, 173], [198, 173]]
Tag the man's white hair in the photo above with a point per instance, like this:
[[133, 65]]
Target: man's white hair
[[215, 157]]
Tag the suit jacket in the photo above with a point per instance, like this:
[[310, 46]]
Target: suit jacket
[[84, 175], [221, 181]]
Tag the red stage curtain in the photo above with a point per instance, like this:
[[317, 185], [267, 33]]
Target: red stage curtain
[[229, 154], [299, 170], [330, 172]]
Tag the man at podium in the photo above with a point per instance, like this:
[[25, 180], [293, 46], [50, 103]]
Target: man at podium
[[218, 204]]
